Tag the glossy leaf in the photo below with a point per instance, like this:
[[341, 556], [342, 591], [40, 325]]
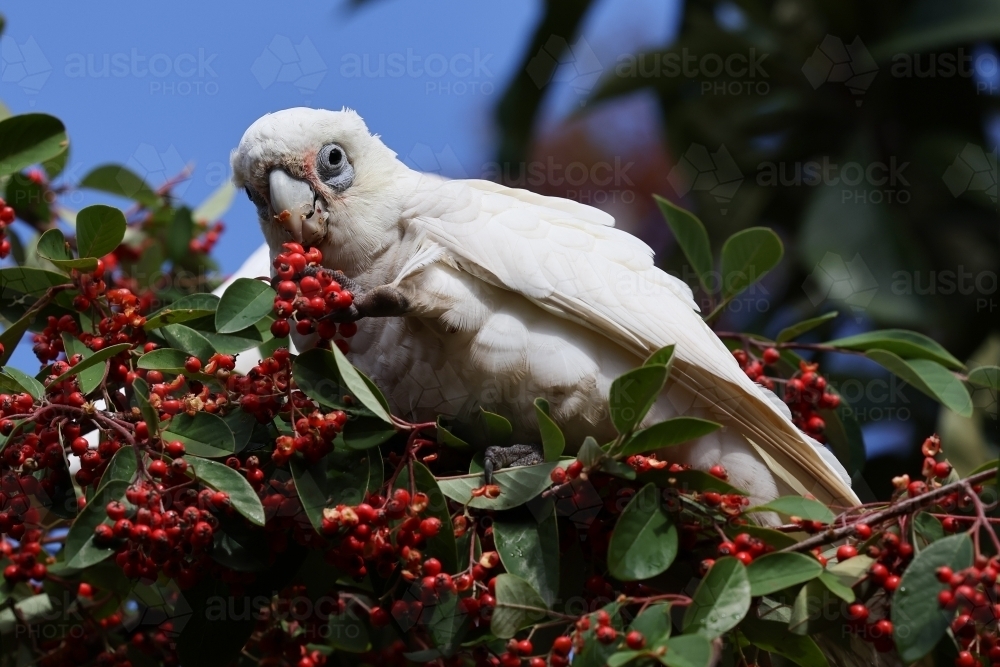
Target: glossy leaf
[[986, 376], [517, 606], [447, 438], [747, 256], [141, 392], [204, 434], [118, 180], [243, 304], [221, 477], [633, 394], [94, 359], [667, 433], [804, 508], [905, 344], [553, 440], [11, 336], [930, 377], [687, 651], [28, 139], [190, 307], [366, 432], [774, 637], [917, 618], [529, 548], [187, 339], [644, 540], [163, 359], [52, 246], [27, 280], [99, 230], [27, 383], [691, 237], [775, 572], [721, 600], [517, 486], [654, 623], [90, 378], [796, 330]]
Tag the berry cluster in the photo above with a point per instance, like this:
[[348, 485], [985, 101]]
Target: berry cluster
[[806, 392], [972, 593], [6, 218], [308, 293], [166, 526], [207, 243]]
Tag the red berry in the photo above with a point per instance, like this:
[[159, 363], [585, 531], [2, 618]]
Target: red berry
[[175, 448], [430, 526], [524, 647], [719, 472], [891, 583], [858, 612], [79, 446], [634, 640], [562, 645], [84, 590], [158, 468], [287, 290], [863, 531], [606, 634], [744, 557], [280, 328], [942, 469], [846, 552], [965, 659], [771, 356], [192, 365]]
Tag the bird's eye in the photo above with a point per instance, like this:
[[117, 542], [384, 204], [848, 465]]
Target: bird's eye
[[334, 167]]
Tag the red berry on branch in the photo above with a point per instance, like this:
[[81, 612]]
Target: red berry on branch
[[635, 640], [846, 552], [280, 328], [719, 472], [771, 356], [192, 365]]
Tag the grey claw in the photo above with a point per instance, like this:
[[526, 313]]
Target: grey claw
[[496, 458]]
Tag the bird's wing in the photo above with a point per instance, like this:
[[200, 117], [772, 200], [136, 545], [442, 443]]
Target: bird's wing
[[568, 259]]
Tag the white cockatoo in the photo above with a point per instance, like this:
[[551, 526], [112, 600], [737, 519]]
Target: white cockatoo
[[473, 294]]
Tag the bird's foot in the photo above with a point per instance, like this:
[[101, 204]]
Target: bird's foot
[[497, 458], [381, 301]]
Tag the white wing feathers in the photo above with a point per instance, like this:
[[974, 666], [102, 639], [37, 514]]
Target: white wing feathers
[[569, 259]]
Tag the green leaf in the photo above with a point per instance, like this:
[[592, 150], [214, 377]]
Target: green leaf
[[163, 359], [691, 237], [441, 546], [447, 438], [28, 139], [366, 432], [99, 230], [141, 392], [121, 467], [644, 541], [204, 434], [243, 304], [27, 383], [777, 571], [590, 454], [517, 606], [917, 619], [12, 335], [986, 376], [118, 180], [774, 637], [89, 379], [928, 376], [688, 651], [805, 508], [654, 623], [553, 440], [94, 359], [217, 203], [813, 604], [326, 375], [221, 477], [190, 307], [348, 633], [80, 552], [746, 257], [796, 330], [180, 235], [662, 357], [52, 246], [721, 600], [633, 394], [187, 339], [517, 486], [26, 280], [835, 586], [905, 344], [529, 548], [667, 434], [338, 478]]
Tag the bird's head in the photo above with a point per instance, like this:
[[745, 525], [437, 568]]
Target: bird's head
[[320, 178]]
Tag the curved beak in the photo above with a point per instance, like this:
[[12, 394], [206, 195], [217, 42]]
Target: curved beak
[[296, 208]]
